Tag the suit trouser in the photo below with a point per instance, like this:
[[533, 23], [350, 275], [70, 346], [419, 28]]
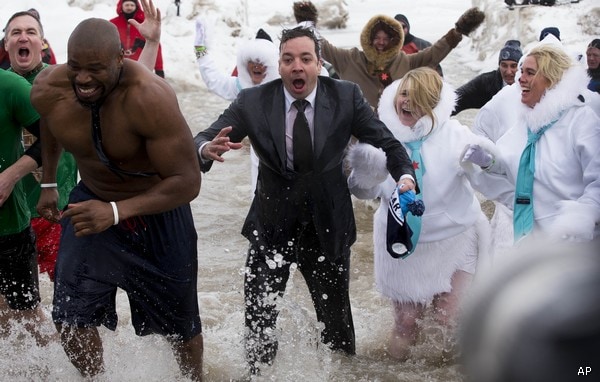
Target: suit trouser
[[327, 282]]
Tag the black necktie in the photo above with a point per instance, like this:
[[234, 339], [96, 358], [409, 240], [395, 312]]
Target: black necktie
[[303, 157]]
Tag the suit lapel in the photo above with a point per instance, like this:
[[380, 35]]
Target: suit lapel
[[323, 119], [275, 115]]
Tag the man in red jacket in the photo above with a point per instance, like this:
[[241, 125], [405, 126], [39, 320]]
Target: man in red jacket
[[131, 39]]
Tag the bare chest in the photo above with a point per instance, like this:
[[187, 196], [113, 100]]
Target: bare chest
[[83, 134]]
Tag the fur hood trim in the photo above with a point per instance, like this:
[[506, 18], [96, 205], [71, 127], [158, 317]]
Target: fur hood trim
[[557, 99], [387, 113], [257, 50], [378, 62]]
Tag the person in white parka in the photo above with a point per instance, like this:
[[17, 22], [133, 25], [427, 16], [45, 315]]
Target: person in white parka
[[556, 194], [257, 63], [455, 234]]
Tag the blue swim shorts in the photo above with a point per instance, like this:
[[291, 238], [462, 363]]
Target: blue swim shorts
[[153, 258]]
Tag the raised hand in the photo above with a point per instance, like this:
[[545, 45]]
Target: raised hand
[[150, 28], [469, 21]]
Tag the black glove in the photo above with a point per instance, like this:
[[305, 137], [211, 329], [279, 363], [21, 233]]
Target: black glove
[[305, 11], [469, 21]]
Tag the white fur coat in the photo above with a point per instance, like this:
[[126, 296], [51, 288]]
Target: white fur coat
[[454, 233]]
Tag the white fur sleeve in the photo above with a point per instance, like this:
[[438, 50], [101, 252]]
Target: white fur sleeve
[[368, 170], [576, 221]]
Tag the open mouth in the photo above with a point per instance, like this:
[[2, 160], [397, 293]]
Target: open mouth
[[406, 112], [298, 84], [87, 92], [23, 52], [258, 72]]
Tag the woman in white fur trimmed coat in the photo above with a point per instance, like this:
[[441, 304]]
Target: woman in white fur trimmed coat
[[454, 236], [566, 181]]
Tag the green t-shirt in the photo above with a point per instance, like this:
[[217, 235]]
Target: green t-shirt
[[16, 111], [66, 173]]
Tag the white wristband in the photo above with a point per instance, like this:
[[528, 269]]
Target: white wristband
[[115, 212], [49, 185]]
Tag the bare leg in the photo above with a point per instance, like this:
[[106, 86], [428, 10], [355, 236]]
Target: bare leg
[[446, 305], [33, 320], [84, 349], [405, 330], [189, 356]]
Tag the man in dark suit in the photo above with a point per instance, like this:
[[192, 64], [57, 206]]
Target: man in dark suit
[[302, 211]]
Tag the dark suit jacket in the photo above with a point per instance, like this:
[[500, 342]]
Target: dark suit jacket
[[340, 112]]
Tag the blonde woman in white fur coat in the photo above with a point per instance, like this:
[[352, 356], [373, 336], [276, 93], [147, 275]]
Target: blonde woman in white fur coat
[[454, 234], [566, 181]]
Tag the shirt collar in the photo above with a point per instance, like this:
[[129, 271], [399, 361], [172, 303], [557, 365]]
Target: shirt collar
[[289, 98]]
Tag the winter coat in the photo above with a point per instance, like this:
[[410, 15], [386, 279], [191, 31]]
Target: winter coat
[[373, 71], [477, 92], [227, 86], [454, 230], [594, 84], [566, 189], [413, 44], [131, 39]]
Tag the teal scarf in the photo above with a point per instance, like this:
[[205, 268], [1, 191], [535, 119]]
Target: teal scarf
[[414, 222], [523, 206]]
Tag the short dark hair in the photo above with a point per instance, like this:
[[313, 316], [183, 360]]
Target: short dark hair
[[289, 34], [595, 43], [32, 12]]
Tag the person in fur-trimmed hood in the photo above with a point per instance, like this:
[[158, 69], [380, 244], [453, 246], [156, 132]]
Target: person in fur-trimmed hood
[[381, 60], [257, 63], [556, 195], [454, 235]]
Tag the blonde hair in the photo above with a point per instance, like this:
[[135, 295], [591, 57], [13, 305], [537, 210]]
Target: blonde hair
[[422, 87], [552, 62]]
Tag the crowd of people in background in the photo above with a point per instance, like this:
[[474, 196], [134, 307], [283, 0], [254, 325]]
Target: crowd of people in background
[[385, 133]]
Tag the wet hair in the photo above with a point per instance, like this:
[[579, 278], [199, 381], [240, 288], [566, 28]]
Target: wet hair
[[33, 13], [552, 62], [289, 34], [423, 87]]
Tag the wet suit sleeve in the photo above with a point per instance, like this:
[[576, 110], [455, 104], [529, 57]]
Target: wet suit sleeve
[[35, 150]]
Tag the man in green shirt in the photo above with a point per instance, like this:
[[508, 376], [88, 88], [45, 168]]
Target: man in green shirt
[[19, 286], [24, 42]]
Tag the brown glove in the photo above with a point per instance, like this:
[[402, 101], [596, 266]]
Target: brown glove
[[305, 11], [469, 21]]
